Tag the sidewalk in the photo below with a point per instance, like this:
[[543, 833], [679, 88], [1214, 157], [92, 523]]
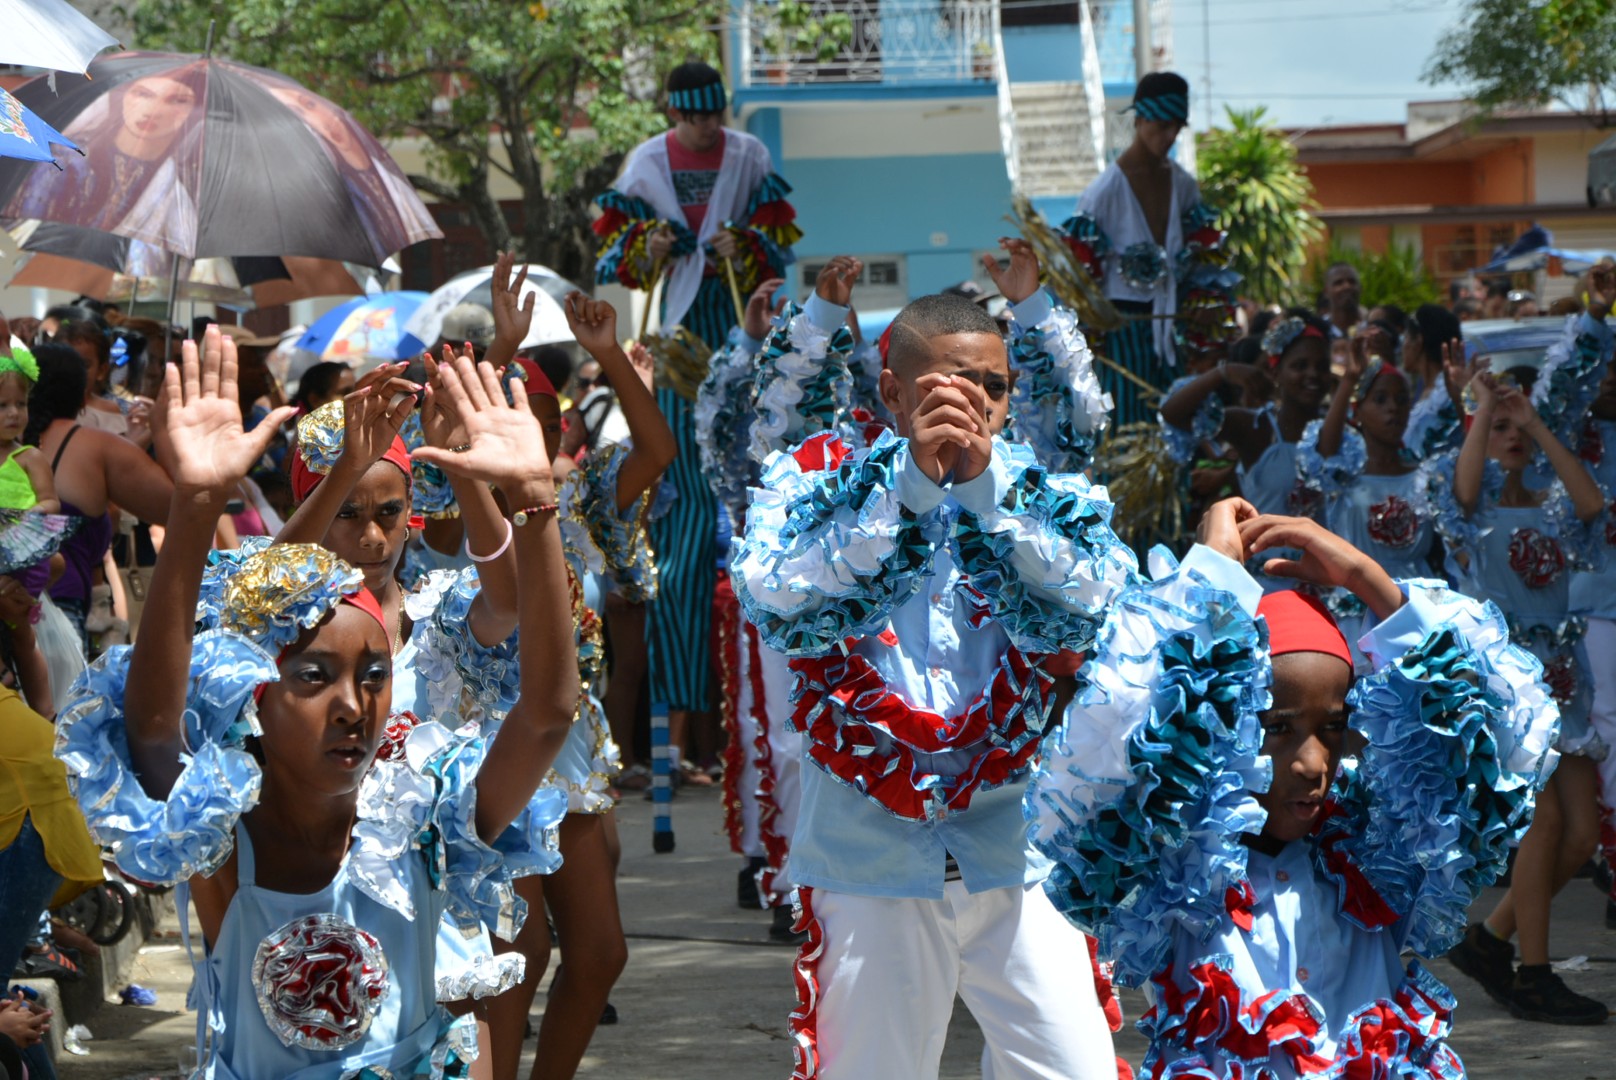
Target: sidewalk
[[705, 995]]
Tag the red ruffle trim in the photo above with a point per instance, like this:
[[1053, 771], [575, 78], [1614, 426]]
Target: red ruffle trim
[[726, 649], [1211, 1013], [1086, 258], [1361, 903], [821, 453], [1381, 1036], [847, 711], [776, 845], [609, 222], [804, 1021]]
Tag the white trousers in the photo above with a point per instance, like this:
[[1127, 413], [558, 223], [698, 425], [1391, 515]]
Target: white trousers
[[1601, 643], [877, 979]]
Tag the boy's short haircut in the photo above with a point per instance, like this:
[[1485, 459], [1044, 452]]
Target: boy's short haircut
[[937, 315]]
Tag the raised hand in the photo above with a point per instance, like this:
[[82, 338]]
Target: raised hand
[[1327, 560], [724, 243], [643, 362], [1513, 403], [373, 414], [201, 439], [1220, 527], [504, 444], [513, 317], [660, 242], [1020, 279], [949, 436], [760, 309], [592, 322], [835, 282], [439, 422]]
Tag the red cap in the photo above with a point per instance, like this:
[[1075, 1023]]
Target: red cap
[[538, 383], [1298, 622]]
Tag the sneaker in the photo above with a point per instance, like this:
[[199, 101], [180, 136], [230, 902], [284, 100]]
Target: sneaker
[[1489, 961], [1538, 994]]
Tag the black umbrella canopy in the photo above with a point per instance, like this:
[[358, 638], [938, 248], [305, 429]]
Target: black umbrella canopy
[[207, 158]]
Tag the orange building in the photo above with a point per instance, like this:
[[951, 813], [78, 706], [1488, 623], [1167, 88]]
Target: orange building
[[1455, 187]]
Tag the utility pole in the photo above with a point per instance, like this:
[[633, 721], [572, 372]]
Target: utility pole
[[1143, 61], [1206, 59]]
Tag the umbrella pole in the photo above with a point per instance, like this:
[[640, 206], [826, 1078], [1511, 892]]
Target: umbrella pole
[[173, 287]]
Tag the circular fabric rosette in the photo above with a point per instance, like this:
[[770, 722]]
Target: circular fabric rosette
[[1143, 265], [320, 982]]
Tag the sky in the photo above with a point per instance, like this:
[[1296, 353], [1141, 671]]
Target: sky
[[1312, 61]]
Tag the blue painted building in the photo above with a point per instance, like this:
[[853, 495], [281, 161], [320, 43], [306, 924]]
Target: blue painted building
[[903, 141]]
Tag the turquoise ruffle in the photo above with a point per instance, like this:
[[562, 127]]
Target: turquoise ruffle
[[1185, 446], [1068, 523], [1335, 474], [830, 552], [1056, 403], [450, 658], [801, 385], [1144, 792]]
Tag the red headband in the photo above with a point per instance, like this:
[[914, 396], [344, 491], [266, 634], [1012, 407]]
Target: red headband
[[1298, 623], [305, 479], [538, 383], [364, 600]]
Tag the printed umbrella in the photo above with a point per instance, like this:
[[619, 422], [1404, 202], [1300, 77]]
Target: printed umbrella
[[365, 328], [475, 286], [24, 135], [204, 157], [117, 269], [50, 34]]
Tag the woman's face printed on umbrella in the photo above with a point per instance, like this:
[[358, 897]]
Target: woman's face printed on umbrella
[[155, 110], [327, 122]]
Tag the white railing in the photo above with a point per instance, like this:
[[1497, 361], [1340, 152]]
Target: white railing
[[880, 41]]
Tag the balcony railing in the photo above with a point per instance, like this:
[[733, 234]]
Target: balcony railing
[[879, 41]]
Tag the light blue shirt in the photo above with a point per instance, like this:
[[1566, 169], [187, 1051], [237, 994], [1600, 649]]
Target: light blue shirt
[[846, 843]]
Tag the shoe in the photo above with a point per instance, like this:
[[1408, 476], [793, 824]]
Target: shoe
[[1610, 914], [1539, 995], [1603, 879], [746, 889], [48, 963], [1489, 961], [608, 1015], [781, 931]]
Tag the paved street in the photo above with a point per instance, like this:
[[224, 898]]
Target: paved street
[[706, 996]]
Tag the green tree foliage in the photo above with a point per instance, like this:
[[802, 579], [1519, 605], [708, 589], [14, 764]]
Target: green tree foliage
[[1533, 53], [1248, 172], [1395, 276], [550, 99]]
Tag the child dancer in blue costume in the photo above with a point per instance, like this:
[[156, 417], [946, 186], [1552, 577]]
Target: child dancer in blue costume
[[918, 585], [1297, 348], [1208, 826], [1517, 547], [1376, 497], [602, 506], [319, 855]]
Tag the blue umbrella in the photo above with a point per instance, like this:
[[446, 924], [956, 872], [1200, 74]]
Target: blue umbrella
[[24, 135], [366, 328], [1533, 250]]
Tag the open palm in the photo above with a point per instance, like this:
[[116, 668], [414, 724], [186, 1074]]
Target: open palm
[[206, 445], [505, 445]]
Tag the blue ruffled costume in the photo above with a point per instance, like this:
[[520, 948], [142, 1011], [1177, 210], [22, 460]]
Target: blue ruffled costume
[[1286, 964], [324, 985]]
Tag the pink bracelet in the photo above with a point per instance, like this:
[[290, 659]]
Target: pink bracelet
[[503, 548]]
